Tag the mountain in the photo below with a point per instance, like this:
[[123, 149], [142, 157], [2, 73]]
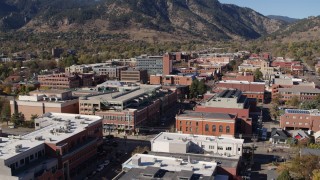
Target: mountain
[[303, 30], [178, 19], [285, 19]]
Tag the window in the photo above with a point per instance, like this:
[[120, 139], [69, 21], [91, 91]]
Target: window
[[31, 157], [22, 161], [211, 147], [228, 129], [220, 148], [206, 127], [190, 129], [287, 122], [228, 148], [220, 128], [196, 129], [213, 128], [196, 123], [306, 124], [186, 129]]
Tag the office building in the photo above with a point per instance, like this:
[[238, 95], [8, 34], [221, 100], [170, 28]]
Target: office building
[[134, 75], [59, 148], [40, 102], [294, 119]]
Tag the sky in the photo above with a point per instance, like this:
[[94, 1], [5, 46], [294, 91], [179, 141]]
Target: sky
[[291, 8]]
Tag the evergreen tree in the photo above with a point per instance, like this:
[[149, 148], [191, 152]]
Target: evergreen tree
[[202, 89], [194, 88]]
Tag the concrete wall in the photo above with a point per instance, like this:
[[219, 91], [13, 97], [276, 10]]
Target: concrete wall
[[178, 148], [160, 146]]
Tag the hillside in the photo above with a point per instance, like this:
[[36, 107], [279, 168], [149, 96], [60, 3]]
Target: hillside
[[156, 19], [283, 18], [303, 30]]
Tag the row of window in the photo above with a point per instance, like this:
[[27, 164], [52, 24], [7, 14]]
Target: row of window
[[220, 148], [27, 160], [214, 128], [294, 123]]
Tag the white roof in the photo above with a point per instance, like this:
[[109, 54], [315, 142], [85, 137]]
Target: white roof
[[171, 164], [185, 138], [124, 96], [71, 123]]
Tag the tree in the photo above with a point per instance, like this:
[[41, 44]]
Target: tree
[[303, 166], [285, 175], [17, 118], [5, 112], [197, 88], [294, 101], [316, 174], [276, 100], [194, 88], [202, 88], [258, 74], [274, 111]]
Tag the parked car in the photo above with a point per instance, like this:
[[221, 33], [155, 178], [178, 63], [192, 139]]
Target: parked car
[[100, 168], [106, 163]]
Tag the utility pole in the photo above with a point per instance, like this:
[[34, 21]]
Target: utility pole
[[254, 139]]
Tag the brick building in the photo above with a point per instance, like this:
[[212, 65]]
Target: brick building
[[155, 64], [231, 102], [59, 148], [303, 93], [249, 89], [59, 81], [206, 123], [112, 72], [246, 76], [294, 119], [130, 108], [41, 102], [133, 75], [172, 79]]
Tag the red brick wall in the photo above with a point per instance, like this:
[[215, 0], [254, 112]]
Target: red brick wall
[[301, 121], [249, 78], [184, 126], [156, 80], [167, 64]]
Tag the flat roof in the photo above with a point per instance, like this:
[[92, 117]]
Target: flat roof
[[229, 93], [51, 91], [241, 82], [171, 164], [125, 96], [223, 161], [60, 126], [297, 111], [211, 115], [301, 89], [185, 138]]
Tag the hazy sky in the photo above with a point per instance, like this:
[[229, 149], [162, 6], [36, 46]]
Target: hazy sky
[[290, 8]]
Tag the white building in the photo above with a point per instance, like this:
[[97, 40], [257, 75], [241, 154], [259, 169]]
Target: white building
[[188, 143], [29, 156], [154, 163]]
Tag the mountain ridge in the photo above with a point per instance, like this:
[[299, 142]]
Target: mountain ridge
[[204, 19], [285, 19]]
